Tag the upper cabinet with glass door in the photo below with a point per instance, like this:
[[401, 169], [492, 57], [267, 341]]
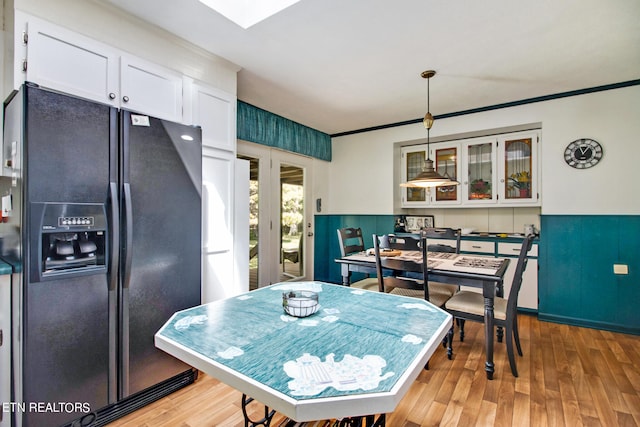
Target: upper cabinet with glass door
[[479, 171], [518, 168], [492, 171], [446, 159], [413, 158]]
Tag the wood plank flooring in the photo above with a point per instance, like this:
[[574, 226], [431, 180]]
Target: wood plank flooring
[[569, 376]]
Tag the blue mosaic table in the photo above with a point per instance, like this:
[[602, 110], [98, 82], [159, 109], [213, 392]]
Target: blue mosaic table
[[356, 356]]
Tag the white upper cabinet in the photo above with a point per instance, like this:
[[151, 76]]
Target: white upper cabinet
[[56, 58], [497, 170], [215, 111], [518, 171], [65, 61], [479, 171], [150, 89], [446, 160]]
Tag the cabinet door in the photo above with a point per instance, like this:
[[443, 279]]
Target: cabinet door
[[215, 111], [217, 224], [446, 159], [70, 63], [412, 164], [479, 172], [518, 163], [150, 89]]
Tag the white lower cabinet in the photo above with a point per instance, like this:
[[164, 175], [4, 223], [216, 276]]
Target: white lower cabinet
[[528, 297]]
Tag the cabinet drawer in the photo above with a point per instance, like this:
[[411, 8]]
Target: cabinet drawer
[[471, 246], [514, 249]]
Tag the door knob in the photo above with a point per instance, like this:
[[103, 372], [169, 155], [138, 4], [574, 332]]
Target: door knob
[[125, 98], [310, 233]]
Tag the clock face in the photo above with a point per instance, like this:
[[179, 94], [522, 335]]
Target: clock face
[[583, 153]]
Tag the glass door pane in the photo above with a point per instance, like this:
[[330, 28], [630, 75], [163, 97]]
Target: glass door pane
[[447, 165], [480, 166], [518, 169], [254, 206], [415, 164], [291, 221]]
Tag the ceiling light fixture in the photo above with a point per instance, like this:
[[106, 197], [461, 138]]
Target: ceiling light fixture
[[428, 177]]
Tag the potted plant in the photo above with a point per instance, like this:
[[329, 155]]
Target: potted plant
[[521, 181], [480, 189]]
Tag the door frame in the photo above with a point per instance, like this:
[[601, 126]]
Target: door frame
[[269, 161]]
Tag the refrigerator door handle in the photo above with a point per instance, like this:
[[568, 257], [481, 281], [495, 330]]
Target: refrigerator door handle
[[129, 238], [113, 278], [115, 236]]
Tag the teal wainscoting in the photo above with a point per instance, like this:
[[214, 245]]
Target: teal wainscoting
[[326, 248], [576, 283]]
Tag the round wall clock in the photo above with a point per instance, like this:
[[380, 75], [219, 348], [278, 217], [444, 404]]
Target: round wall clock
[[583, 153]]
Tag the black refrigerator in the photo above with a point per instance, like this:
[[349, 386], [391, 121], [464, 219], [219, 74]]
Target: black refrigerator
[[107, 210]]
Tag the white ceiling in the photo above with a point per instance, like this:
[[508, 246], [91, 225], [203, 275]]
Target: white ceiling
[[343, 65]]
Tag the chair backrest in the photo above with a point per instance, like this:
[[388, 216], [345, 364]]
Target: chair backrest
[[350, 240], [390, 268], [516, 284], [443, 233]]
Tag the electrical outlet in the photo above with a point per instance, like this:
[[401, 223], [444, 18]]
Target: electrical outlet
[[620, 269]]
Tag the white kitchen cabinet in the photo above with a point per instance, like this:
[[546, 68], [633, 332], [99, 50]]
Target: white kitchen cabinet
[[56, 58], [479, 172], [528, 297], [217, 225], [518, 170], [446, 160], [412, 160], [493, 171], [150, 89], [215, 111]]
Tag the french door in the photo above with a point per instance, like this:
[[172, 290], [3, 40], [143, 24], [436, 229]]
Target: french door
[[280, 215]]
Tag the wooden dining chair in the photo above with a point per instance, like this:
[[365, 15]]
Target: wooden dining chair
[[466, 305], [351, 241]]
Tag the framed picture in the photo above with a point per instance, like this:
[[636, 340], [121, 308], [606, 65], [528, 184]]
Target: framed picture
[[417, 223]]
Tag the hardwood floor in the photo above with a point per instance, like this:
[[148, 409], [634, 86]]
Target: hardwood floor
[[569, 376]]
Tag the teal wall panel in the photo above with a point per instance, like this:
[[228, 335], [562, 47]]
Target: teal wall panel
[[576, 283], [326, 248]]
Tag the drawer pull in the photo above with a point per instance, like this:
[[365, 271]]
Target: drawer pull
[[476, 247]]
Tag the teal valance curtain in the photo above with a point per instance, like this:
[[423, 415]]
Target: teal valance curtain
[[262, 127]]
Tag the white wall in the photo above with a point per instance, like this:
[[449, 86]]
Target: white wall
[[109, 25], [361, 175]]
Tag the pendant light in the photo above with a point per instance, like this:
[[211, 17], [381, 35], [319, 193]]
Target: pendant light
[[428, 177]]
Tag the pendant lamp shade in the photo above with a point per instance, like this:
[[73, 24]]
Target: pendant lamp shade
[[428, 177]]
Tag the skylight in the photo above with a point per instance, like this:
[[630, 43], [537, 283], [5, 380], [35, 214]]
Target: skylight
[[246, 13]]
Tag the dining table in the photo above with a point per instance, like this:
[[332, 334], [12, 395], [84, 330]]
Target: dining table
[[483, 272], [352, 360]]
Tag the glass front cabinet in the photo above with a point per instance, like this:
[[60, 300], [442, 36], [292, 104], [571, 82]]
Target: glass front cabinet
[[494, 170], [518, 168], [478, 184]]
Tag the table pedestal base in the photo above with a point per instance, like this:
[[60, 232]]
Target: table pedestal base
[[363, 421], [248, 422]]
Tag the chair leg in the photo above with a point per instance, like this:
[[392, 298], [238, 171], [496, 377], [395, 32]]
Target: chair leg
[[516, 335], [450, 343], [461, 323], [512, 358]]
